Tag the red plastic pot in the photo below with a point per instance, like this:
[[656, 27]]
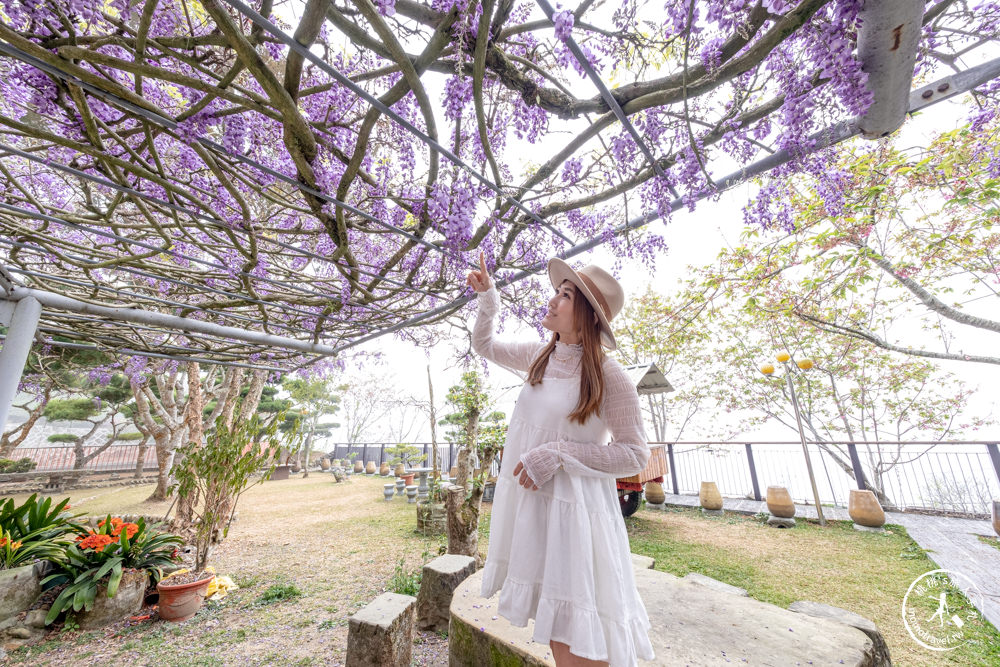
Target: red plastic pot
[[180, 602]]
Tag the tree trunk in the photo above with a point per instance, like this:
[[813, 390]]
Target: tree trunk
[[140, 459], [195, 429], [164, 459], [434, 440]]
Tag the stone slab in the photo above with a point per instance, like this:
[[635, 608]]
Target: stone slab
[[692, 625], [715, 584], [846, 617], [642, 562]]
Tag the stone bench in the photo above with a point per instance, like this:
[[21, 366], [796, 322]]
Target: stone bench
[[694, 622], [440, 578], [381, 634]]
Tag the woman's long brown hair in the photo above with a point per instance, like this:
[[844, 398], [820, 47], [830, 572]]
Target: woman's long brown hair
[[591, 366]]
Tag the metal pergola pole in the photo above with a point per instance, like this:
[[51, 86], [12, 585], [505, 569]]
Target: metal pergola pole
[[21, 318], [60, 302]]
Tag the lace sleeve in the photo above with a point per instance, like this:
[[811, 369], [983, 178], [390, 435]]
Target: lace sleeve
[[626, 454], [516, 357]]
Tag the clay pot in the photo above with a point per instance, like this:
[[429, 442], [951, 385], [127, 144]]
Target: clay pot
[[383, 469], [654, 493], [864, 509], [180, 602], [779, 502], [709, 496], [359, 466], [408, 478], [324, 464], [400, 470], [996, 516]]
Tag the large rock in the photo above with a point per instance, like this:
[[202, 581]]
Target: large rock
[[381, 634], [19, 587], [440, 578], [692, 624], [126, 602], [721, 586], [820, 610]]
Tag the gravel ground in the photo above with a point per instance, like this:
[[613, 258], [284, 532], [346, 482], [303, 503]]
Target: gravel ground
[[338, 544]]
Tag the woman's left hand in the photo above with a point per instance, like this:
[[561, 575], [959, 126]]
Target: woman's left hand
[[522, 474]]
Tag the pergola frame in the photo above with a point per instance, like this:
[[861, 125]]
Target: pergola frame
[[21, 308]]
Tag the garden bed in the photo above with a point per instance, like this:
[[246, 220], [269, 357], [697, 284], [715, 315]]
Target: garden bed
[[308, 553]]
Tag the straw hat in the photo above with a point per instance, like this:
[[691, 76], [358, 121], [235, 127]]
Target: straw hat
[[599, 287]]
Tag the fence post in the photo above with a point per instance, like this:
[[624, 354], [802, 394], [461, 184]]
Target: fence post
[[381, 454], [451, 455], [753, 472], [364, 454], [994, 457], [859, 474], [425, 455], [673, 468]]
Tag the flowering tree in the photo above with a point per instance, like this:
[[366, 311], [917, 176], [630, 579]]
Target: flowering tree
[[913, 247], [855, 392], [179, 156]]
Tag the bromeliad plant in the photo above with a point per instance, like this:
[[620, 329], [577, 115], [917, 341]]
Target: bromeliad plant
[[102, 557]]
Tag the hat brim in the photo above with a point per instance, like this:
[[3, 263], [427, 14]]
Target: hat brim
[[559, 271]]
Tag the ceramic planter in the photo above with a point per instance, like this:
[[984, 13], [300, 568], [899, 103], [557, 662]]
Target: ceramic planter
[[654, 493], [383, 469], [359, 466], [709, 496], [407, 478], [370, 468], [996, 516], [324, 463], [865, 509], [400, 470], [779, 502], [180, 602], [126, 602]]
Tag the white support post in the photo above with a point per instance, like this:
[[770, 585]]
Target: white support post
[[14, 352]]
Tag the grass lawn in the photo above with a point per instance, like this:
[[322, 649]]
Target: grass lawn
[[308, 553], [866, 573]]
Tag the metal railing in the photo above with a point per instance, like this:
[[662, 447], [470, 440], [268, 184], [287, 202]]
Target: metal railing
[[116, 458], [948, 477], [955, 477]]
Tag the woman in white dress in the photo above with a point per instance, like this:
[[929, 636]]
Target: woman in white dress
[[558, 549]]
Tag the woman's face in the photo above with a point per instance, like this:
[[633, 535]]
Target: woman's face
[[559, 318]]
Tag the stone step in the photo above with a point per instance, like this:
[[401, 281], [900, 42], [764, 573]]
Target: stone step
[[692, 624]]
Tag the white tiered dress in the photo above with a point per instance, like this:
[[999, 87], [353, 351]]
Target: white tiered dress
[[560, 554]]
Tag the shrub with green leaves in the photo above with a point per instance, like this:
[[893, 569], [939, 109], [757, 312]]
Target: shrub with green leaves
[[63, 437], [36, 521], [102, 557], [21, 465]]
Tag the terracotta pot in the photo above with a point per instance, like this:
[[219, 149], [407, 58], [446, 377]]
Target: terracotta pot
[[996, 516], [779, 502], [126, 602], [864, 509], [383, 469], [324, 463], [654, 493], [408, 478], [370, 468], [179, 603], [359, 466], [709, 496], [400, 470]]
